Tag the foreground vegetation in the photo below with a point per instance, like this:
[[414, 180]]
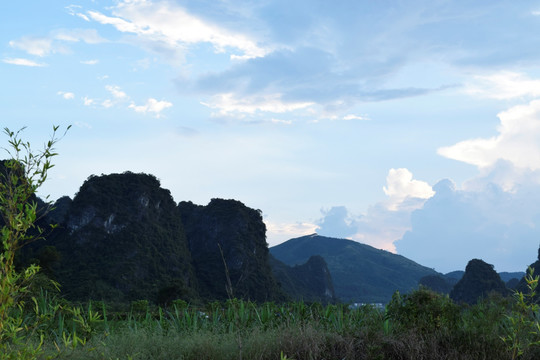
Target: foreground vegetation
[[419, 325]]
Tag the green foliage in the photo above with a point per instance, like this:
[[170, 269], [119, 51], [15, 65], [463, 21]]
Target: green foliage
[[422, 311], [522, 327], [20, 178]]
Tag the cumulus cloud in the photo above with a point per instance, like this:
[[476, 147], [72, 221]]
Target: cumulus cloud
[[171, 24], [336, 222], [152, 106], [400, 187], [385, 222], [23, 62], [517, 142], [489, 223], [378, 227]]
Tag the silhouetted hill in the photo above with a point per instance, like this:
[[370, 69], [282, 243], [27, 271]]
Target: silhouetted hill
[[227, 230], [123, 238], [360, 272], [309, 282], [478, 281], [120, 239]]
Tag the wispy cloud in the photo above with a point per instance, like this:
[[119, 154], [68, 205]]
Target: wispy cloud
[[230, 105], [75, 10], [503, 85], [23, 62], [89, 62], [39, 46], [55, 42], [171, 24]]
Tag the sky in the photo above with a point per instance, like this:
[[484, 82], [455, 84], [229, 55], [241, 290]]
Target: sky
[[410, 126]]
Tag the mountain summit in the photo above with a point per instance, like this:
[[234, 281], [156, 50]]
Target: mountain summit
[[360, 273]]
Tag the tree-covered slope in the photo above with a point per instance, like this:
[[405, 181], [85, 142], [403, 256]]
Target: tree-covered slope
[[121, 239], [227, 237], [360, 273], [308, 282], [478, 281]]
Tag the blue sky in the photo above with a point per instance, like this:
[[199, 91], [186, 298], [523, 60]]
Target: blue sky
[[410, 126]]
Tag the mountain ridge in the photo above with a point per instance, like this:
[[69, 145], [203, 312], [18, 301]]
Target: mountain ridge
[[360, 272]]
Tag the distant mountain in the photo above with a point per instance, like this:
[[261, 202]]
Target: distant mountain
[[505, 276], [308, 282], [479, 280], [361, 273]]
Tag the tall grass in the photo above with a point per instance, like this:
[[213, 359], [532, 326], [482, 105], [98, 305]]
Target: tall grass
[[419, 325]]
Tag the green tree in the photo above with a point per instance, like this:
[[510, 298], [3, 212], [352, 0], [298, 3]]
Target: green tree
[[20, 177]]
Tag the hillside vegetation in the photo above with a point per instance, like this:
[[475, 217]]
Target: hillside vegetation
[[360, 273]]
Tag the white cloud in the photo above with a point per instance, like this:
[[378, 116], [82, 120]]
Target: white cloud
[[89, 36], [280, 121], [107, 103], [280, 232], [87, 101], [23, 62], [54, 43], [400, 187], [378, 227], [151, 106], [170, 24], [230, 105], [456, 225], [504, 85], [74, 10], [67, 95], [116, 92], [90, 62], [355, 117], [518, 141], [39, 46]]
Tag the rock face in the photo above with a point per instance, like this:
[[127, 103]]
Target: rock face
[[308, 282], [479, 280], [121, 239], [228, 247]]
